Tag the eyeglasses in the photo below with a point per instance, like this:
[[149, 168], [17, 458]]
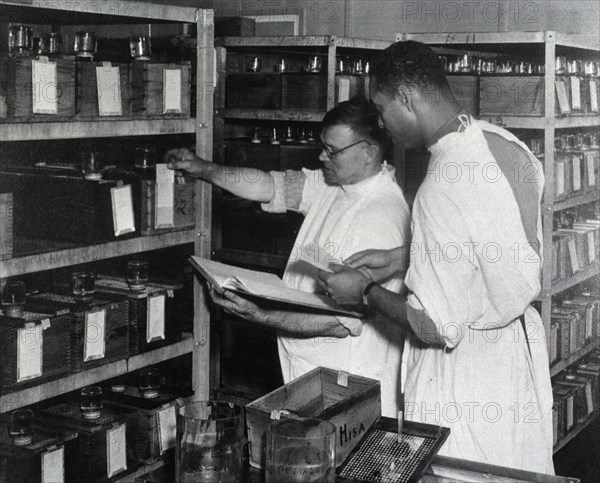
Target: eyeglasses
[[330, 154]]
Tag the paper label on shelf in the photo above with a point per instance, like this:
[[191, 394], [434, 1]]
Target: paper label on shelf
[[53, 466], [563, 98], [560, 178], [589, 399], [570, 420], [575, 93], [573, 255], [122, 209], [591, 168], [342, 379], [343, 89], [172, 90], [573, 329], [576, 172], [591, 246], [93, 333], [108, 83], [589, 321], [555, 427], [167, 428], [155, 318], [44, 86], [30, 344], [165, 197], [116, 450], [593, 96]]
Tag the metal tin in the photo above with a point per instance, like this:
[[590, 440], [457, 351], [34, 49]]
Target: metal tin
[[19, 38], [85, 44], [140, 47], [50, 43], [314, 64]]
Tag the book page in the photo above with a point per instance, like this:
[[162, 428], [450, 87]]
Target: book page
[[318, 257], [223, 275]]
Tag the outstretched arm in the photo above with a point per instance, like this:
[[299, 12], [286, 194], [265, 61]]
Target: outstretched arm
[[380, 264], [249, 183], [296, 324]]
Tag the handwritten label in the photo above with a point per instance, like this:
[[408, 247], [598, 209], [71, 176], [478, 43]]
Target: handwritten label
[[343, 89], [573, 255], [53, 466], [575, 93], [164, 197], [589, 321], [589, 399], [108, 83], [570, 420], [93, 333], [44, 86], [553, 342], [172, 90], [116, 454], [591, 168], [576, 172], [30, 341], [122, 209], [593, 96], [155, 318], [563, 98], [342, 379], [167, 428]]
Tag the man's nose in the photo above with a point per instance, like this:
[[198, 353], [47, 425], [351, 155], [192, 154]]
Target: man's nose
[[323, 156]]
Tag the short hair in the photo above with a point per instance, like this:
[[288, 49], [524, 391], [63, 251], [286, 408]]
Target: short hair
[[361, 116], [410, 64]]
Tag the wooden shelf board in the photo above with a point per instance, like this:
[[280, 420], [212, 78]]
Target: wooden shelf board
[[76, 381], [574, 432], [580, 41], [302, 41], [113, 127], [579, 277], [133, 10], [271, 114], [562, 365], [74, 256], [537, 122], [577, 201], [142, 470]]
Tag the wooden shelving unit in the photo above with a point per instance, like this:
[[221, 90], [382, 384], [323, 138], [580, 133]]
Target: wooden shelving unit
[[575, 432], [548, 44]]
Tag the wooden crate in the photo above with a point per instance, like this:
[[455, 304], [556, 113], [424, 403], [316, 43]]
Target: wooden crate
[[23, 464], [6, 226], [19, 88], [353, 408], [92, 462], [138, 312], [253, 90], [592, 371], [116, 325], [147, 412], [148, 89], [183, 208], [73, 210], [87, 91], [304, 91], [466, 91], [53, 329]]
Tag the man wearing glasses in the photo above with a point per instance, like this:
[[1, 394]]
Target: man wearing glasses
[[353, 203]]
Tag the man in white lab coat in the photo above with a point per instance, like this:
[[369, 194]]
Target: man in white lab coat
[[350, 205], [477, 360]]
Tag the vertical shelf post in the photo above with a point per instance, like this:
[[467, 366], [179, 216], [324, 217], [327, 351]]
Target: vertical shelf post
[[331, 81], [203, 200]]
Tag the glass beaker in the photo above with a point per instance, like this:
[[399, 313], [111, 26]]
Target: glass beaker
[[137, 275], [210, 439], [13, 298], [300, 450], [91, 166], [83, 286], [149, 383], [90, 402], [20, 427]]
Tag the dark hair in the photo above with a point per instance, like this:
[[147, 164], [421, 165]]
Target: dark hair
[[362, 117], [410, 64]]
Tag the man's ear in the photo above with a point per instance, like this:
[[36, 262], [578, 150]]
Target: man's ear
[[372, 150], [405, 94]]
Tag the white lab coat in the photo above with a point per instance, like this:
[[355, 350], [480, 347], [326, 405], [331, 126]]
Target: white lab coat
[[344, 220], [472, 273]]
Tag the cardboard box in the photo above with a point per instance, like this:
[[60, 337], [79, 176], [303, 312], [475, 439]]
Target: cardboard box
[[321, 393]]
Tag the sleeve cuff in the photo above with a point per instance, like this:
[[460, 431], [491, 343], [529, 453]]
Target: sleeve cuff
[[277, 204], [353, 325]]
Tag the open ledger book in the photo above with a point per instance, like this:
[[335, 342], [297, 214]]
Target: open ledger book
[[264, 286]]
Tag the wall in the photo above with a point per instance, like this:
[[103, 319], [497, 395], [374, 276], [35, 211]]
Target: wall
[[381, 19]]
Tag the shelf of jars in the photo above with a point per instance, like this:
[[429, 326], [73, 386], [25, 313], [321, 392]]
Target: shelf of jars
[[94, 128], [66, 257], [564, 363], [32, 395]]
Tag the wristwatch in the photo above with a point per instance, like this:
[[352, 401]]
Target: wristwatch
[[367, 289]]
